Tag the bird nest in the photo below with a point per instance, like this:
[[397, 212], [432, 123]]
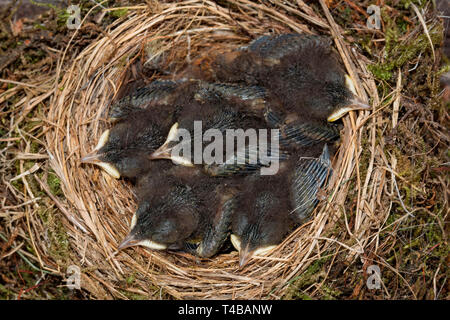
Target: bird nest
[[98, 209]]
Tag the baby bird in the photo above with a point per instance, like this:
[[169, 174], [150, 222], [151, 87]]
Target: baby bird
[[122, 151], [267, 211], [150, 111], [262, 220], [195, 123], [302, 71], [179, 206], [172, 93], [294, 129], [216, 228], [143, 118], [158, 93], [168, 212]]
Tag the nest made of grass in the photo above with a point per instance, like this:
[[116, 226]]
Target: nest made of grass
[[98, 208]]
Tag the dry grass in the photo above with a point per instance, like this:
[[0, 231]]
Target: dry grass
[[96, 209]]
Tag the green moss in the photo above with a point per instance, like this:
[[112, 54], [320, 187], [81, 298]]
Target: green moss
[[44, 4], [61, 20], [43, 215], [390, 220], [303, 296], [380, 72], [310, 276], [407, 3], [39, 26], [397, 53], [130, 279], [35, 56], [59, 247], [133, 296], [54, 184], [330, 294], [5, 293], [119, 13], [17, 184]]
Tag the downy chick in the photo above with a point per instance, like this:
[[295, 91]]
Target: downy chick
[[273, 205], [181, 209], [204, 121], [122, 151], [303, 71]]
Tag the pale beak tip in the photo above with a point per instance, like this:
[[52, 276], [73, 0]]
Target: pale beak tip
[[129, 241], [90, 158], [244, 257], [364, 106], [161, 153], [353, 105], [153, 156], [243, 262]]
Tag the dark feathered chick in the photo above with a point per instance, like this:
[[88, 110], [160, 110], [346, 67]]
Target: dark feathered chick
[[157, 93], [178, 92], [123, 150], [144, 118], [179, 206], [302, 71], [272, 205], [295, 99], [261, 220], [295, 130], [216, 228], [168, 214], [149, 112], [214, 111]]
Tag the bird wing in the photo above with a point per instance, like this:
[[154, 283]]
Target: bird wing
[[159, 91], [218, 228], [245, 160], [252, 99], [229, 91], [308, 134], [310, 175], [276, 47]]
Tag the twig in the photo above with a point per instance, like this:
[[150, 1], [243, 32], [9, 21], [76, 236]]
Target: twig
[[425, 29]]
